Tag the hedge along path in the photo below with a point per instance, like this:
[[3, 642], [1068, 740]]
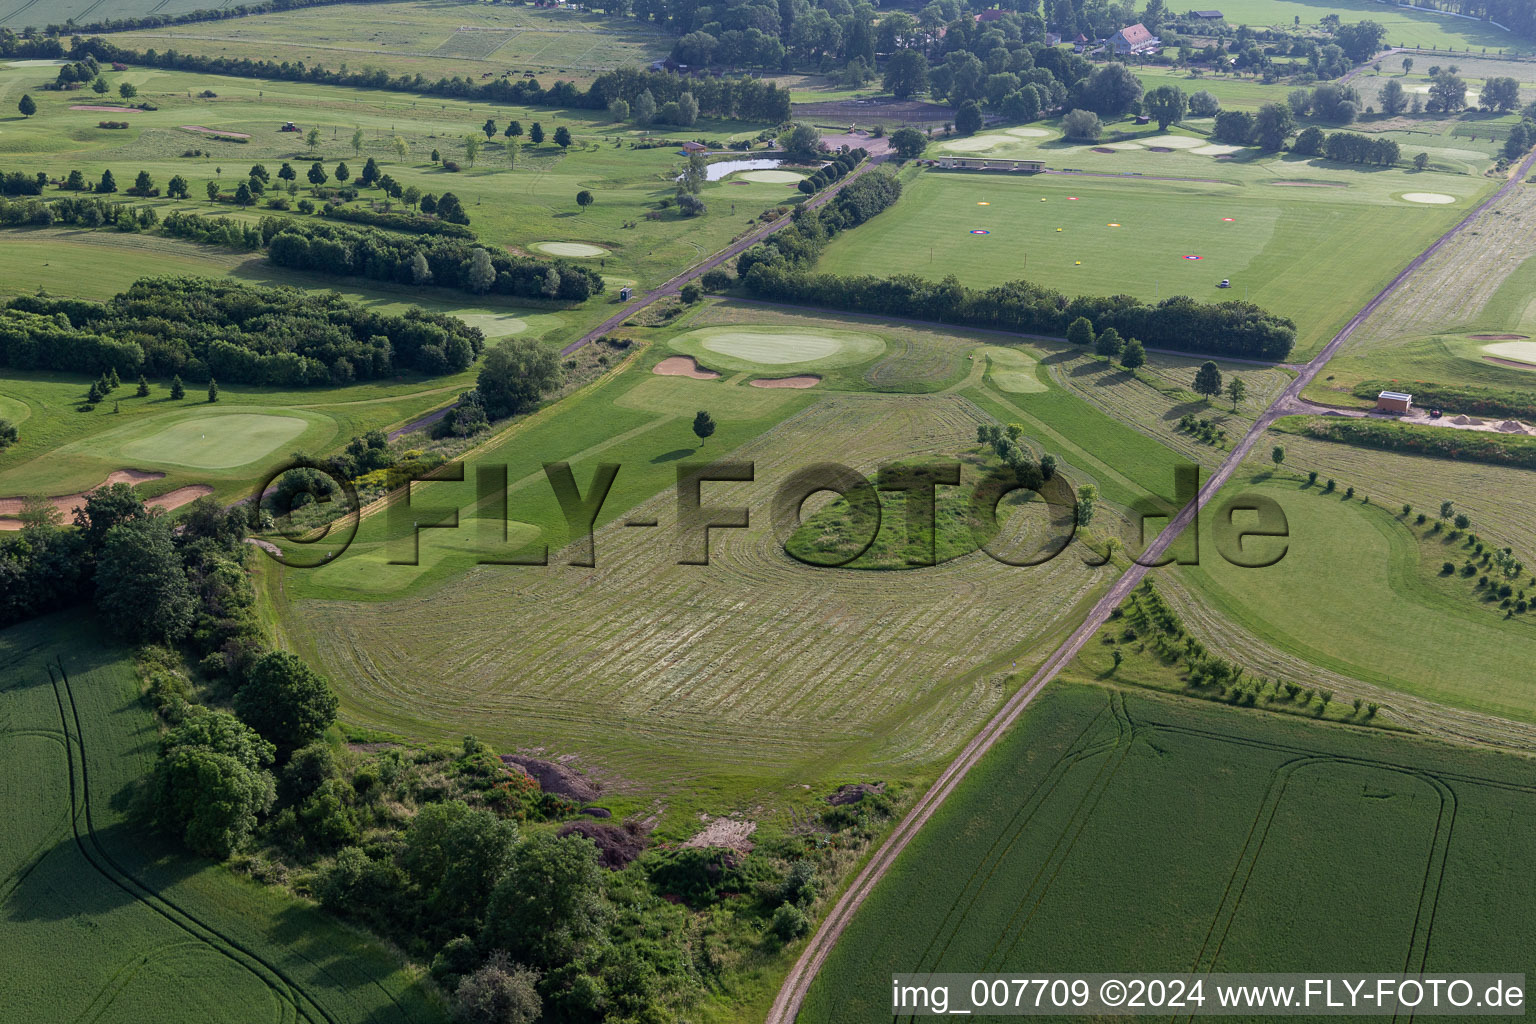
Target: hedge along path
[[786, 1004]]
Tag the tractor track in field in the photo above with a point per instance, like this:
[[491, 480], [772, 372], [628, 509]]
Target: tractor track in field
[[786, 1004]]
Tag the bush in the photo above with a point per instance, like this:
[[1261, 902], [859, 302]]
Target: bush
[[789, 922], [1082, 125]]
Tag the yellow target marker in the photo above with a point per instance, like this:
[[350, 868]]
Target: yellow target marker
[[983, 204], [1114, 225], [1078, 263], [1058, 229]]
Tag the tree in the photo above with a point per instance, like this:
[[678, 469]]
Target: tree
[[357, 141], [343, 172], [1081, 125], [908, 143], [1501, 94], [286, 172], [437, 157], [536, 134], [1204, 104], [143, 391], [645, 107], [421, 272], [1407, 64], [210, 783], [1447, 509], [1447, 93], [585, 199], [498, 993], [142, 590], [968, 118], [489, 128], [1236, 389], [1134, 355], [1272, 125], [108, 184], [178, 391], [1235, 127], [411, 196], [286, 701], [317, 175], [1277, 456], [402, 148], [1394, 98], [1080, 331], [515, 375], [100, 86], [1208, 380], [1087, 497], [472, 144], [549, 905], [802, 142], [563, 137], [127, 90], [1166, 105], [906, 74], [8, 434], [479, 274], [370, 174], [1108, 343], [1110, 91], [212, 188], [618, 109], [242, 195], [703, 426], [1360, 40], [1309, 142], [176, 188], [455, 856], [27, 106], [312, 139], [213, 390]]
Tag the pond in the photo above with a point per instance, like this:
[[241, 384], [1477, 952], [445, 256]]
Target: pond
[[714, 172]]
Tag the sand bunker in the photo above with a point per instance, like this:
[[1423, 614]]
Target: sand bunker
[[170, 501], [179, 497], [772, 177], [1432, 198], [1174, 142], [684, 366], [726, 833], [1159, 149], [805, 381], [1498, 337], [576, 250], [110, 110], [1216, 149], [213, 131], [1103, 149], [1519, 351], [66, 503]]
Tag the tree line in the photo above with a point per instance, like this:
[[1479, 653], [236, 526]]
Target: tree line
[[802, 241], [1462, 445], [200, 328]]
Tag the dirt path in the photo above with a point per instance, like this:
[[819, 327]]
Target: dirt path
[[792, 993]]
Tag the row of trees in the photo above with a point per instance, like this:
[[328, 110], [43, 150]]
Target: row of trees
[[1232, 328], [199, 328], [801, 243]]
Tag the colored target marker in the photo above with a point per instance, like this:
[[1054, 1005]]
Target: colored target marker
[[1114, 225], [1191, 257], [983, 204], [980, 231], [1227, 220]]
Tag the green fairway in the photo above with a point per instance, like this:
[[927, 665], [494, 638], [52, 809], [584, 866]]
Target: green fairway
[[213, 441], [1360, 592], [757, 348], [102, 921], [1293, 250], [996, 881], [1012, 370], [1404, 27]]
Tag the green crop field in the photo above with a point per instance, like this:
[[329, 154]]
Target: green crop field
[[1316, 844], [430, 38], [518, 204], [1292, 249], [147, 932], [1404, 27]]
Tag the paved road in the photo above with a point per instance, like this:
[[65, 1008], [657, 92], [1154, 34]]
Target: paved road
[[792, 994]]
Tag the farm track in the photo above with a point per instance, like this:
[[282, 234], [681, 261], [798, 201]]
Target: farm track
[[792, 993]]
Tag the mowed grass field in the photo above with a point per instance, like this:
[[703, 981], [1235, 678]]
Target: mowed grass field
[[724, 686], [519, 203], [433, 38], [1316, 844], [1315, 253], [146, 932], [1404, 27]]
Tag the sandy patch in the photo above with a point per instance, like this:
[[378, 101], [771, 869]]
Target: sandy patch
[[179, 497], [66, 503], [1174, 142], [1432, 198], [728, 833], [805, 381], [1519, 351], [576, 250], [771, 177], [213, 131], [683, 366], [110, 110], [1498, 337], [1512, 427], [1216, 149]]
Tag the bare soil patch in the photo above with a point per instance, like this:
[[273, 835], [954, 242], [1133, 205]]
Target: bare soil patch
[[683, 366], [66, 503], [555, 778], [179, 497], [214, 131], [725, 833], [1498, 337], [1104, 149], [854, 792], [806, 381], [617, 845], [110, 110]]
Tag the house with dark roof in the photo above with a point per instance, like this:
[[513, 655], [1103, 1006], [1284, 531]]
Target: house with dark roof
[[1133, 39], [1208, 15], [990, 14]]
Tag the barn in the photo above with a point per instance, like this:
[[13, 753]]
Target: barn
[[1394, 401]]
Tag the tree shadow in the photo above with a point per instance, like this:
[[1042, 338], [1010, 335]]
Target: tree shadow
[[673, 455]]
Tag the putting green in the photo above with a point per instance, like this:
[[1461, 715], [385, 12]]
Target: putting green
[[975, 144], [214, 441], [1030, 133], [1012, 371], [14, 409], [574, 250], [495, 325], [1216, 149], [752, 348], [1431, 198], [1174, 142], [1519, 351], [771, 177]]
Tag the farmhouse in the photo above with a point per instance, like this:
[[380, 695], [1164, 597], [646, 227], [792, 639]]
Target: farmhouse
[[694, 147], [1133, 39], [972, 163], [1208, 15], [1393, 401], [990, 14]]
